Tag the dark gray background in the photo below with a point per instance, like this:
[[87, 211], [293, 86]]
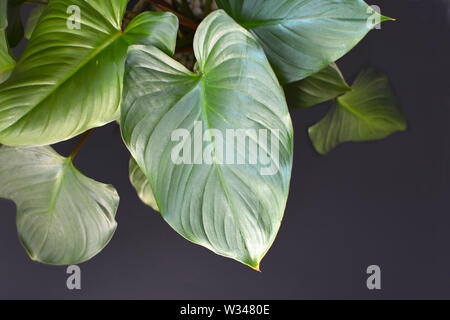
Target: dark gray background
[[384, 203]]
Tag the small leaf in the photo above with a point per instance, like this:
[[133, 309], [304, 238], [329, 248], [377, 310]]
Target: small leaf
[[33, 19], [153, 28], [63, 217], [69, 79], [15, 26], [142, 185], [370, 112], [230, 208], [325, 85], [301, 37]]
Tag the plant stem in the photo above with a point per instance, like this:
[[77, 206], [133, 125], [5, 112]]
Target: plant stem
[[80, 144], [186, 9], [185, 50], [188, 24]]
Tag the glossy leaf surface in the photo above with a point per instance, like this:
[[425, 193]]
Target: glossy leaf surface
[[301, 37], [63, 217], [325, 85], [69, 78]]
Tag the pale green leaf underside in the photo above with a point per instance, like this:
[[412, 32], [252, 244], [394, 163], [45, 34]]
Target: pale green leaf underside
[[370, 112], [325, 85], [301, 37], [63, 217], [70, 80], [231, 209], [142, 186]]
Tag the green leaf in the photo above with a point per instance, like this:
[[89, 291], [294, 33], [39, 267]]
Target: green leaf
[[370, 112], [69, 80], [63, 217], [301, 37], [15, 26], [33, 19], [142, 186], [3, 15], [325, 85], [147, 28], [233, 209], [7, 62]]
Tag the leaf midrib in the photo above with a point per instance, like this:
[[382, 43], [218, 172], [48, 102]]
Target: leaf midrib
[[252, 24], [347, 107], [55, 193], [205, 104]]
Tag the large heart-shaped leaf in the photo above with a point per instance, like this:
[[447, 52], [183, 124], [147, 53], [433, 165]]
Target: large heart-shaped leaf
[[370, 112], [301, 37], [142, 186], [226, 199], [69, 79], [325, 85], [63, 217], [7, 63]]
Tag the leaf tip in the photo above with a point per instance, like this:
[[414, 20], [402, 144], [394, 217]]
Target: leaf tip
[[386, 18], [349, 89], [256, 268], [403, 126], [254, 264], [320, 149]]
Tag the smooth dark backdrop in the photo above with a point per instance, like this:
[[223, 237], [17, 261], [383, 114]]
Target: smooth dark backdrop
[[385, 203]]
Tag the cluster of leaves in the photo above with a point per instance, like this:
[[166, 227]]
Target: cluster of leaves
[[119, 65]]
